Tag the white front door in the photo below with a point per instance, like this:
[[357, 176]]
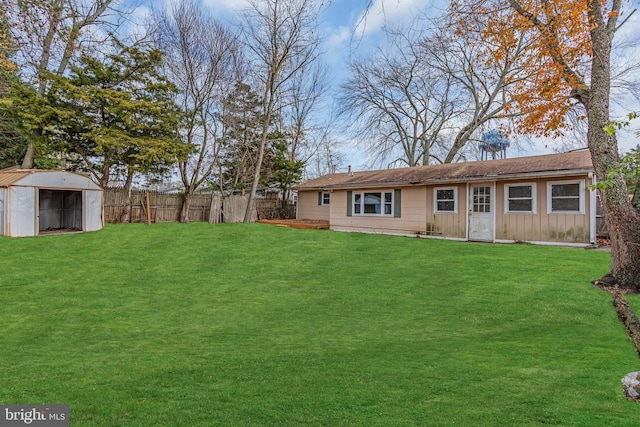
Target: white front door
[[481, 212]]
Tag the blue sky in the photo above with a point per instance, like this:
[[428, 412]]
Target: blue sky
[[346, 32]]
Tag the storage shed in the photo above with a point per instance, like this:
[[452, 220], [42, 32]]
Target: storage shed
[[35, 202]]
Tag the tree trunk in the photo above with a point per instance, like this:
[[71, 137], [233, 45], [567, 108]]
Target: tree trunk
[[248, 214], [186, 205], [627, 317], [27, 161], [623, 221], [125, 215]]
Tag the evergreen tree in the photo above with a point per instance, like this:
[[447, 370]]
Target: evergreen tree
[[243, 123], [12, 143], [241, 140], [286, 172], [111, 113]]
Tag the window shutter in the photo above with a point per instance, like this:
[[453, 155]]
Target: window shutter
[[349, 202], [396, 202], [319, 198]]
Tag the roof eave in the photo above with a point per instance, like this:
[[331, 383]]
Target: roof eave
[[436, 181]]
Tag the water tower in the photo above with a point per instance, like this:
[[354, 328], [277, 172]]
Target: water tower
[[494, 144]]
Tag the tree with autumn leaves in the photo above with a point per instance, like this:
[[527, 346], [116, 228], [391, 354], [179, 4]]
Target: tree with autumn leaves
[[569, 53]]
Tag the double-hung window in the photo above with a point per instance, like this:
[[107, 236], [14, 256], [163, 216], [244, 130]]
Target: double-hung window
[[324, 198], [520, 198], [445, 200], [565, 197]]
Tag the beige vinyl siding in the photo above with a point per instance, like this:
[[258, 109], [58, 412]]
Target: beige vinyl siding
[[452, 225], [308, 207], [543, 226], [411, 221]]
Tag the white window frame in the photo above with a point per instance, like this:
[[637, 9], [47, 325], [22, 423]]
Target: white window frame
[[534, 197], [581, 195], [328, 201], [455, 200], [382, 203]]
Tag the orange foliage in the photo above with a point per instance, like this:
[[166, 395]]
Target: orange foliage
[[556, 57], [6, 46]]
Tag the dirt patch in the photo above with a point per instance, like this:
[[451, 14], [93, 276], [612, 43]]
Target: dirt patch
[[59, 231], [609, 284], [312, 224]]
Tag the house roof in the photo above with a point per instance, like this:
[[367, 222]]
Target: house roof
[[573, 162]]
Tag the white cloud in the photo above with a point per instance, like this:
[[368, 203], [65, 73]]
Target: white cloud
[[225, 6], [383, 12], [138, 21], [336, 41]]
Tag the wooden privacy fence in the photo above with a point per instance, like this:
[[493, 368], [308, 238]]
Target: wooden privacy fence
[[151, 206]]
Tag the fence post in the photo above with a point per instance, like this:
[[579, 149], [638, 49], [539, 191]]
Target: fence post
[[148, 209]]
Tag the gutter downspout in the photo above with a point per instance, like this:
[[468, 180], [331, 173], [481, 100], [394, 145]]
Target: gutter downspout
[[467, 210], [494, 201]]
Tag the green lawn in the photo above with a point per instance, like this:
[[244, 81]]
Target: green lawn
[[232, 324]]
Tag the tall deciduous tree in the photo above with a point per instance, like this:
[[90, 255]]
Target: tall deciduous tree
[[299, 125], [571, 43], [395, 101], [484, 73], [281, 37], [203, 60], [426, 94], [48, 34]]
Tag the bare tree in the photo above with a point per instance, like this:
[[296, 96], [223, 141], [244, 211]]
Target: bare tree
[[427, 92], [483, 85], [49, 34], [281, 38], [395, 103], [202, 59], [325, 159], [302, 99]]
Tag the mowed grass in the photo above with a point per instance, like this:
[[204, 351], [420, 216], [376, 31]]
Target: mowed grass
[[241, 325]]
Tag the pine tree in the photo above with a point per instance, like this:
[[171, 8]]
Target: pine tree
[[115, 112]]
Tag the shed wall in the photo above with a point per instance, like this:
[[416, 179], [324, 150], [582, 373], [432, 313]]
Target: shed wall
[[93, 217], [3, 213], [22, 216]]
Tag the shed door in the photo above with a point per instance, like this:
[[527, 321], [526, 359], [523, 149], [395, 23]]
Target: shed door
[[60, 210], [480, 212]]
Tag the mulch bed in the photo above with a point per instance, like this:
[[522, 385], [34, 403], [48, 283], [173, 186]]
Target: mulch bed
[[312, 224]]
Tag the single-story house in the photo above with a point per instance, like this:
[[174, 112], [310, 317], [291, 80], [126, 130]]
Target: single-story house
[[540, 199], [35, 202]]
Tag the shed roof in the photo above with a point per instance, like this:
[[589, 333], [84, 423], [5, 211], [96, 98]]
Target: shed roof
[[11, 176], [572, 162], [45, 178]]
